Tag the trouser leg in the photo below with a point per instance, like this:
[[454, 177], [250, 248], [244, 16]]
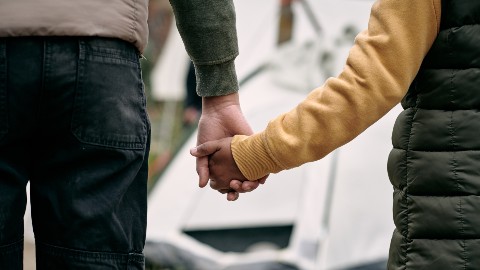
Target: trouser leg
[[17, 94], [89, 154]]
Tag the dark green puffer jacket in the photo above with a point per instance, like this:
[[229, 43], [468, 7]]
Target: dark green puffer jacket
[[435, 164]]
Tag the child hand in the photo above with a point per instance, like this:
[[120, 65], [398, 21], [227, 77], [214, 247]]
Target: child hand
[[224, 176]]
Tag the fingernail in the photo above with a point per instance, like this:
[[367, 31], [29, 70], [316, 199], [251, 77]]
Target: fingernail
[[248, 188], [193, 151]]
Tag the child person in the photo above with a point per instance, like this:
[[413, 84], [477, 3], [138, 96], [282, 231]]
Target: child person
[[424, 53]]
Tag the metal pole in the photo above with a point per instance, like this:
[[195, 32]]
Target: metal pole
[[311, 16]]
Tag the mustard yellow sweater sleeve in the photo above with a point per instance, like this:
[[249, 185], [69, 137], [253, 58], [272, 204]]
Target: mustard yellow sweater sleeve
[[380, 67]]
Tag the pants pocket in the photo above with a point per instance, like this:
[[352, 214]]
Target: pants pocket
[[109, 107]]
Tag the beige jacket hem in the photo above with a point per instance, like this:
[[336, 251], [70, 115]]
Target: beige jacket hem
[[123, 19]]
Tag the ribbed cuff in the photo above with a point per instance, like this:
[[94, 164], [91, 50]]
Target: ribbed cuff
[[252, 157], [216, 80]]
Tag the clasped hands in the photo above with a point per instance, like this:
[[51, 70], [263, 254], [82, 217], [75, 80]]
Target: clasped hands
[[221, 119]]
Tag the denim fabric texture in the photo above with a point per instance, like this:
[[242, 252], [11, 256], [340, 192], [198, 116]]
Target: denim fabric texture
[[73, 122]]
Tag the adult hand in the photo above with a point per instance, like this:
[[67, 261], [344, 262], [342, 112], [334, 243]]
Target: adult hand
[[221, 117]]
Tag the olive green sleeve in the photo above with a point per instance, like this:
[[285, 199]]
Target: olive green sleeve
[[209, 33]]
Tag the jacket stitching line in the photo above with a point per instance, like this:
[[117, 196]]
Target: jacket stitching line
[[452, 140], [446, 239], [458, 68], [462, 233], [457, 181], [445, 196], [408, 242], [438, 151], [454, 161]]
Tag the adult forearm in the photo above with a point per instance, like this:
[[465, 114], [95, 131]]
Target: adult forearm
[[209, 33]]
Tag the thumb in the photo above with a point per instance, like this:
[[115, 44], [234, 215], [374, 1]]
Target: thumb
[[202, 171], [205, 149]]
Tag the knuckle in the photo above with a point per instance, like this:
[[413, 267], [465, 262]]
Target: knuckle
[[214, 184], [201, 149]]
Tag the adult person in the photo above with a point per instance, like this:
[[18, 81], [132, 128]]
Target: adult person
[[73, 122], [426, 55]]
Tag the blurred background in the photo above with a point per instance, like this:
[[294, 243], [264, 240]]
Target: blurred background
[[331, 214]]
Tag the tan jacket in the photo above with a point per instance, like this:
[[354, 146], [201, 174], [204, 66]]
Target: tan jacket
[[124, 19]]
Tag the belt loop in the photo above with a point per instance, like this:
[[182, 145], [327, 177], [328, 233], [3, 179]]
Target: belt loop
[[81, 62], [3, 62], [81, 49], [3, 87]]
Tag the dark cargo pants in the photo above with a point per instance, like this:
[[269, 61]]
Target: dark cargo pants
[[73, 123]]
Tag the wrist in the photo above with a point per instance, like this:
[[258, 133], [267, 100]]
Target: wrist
[[219, 103]]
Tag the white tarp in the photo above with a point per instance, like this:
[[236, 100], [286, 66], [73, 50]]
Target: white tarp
[[352, 228]]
